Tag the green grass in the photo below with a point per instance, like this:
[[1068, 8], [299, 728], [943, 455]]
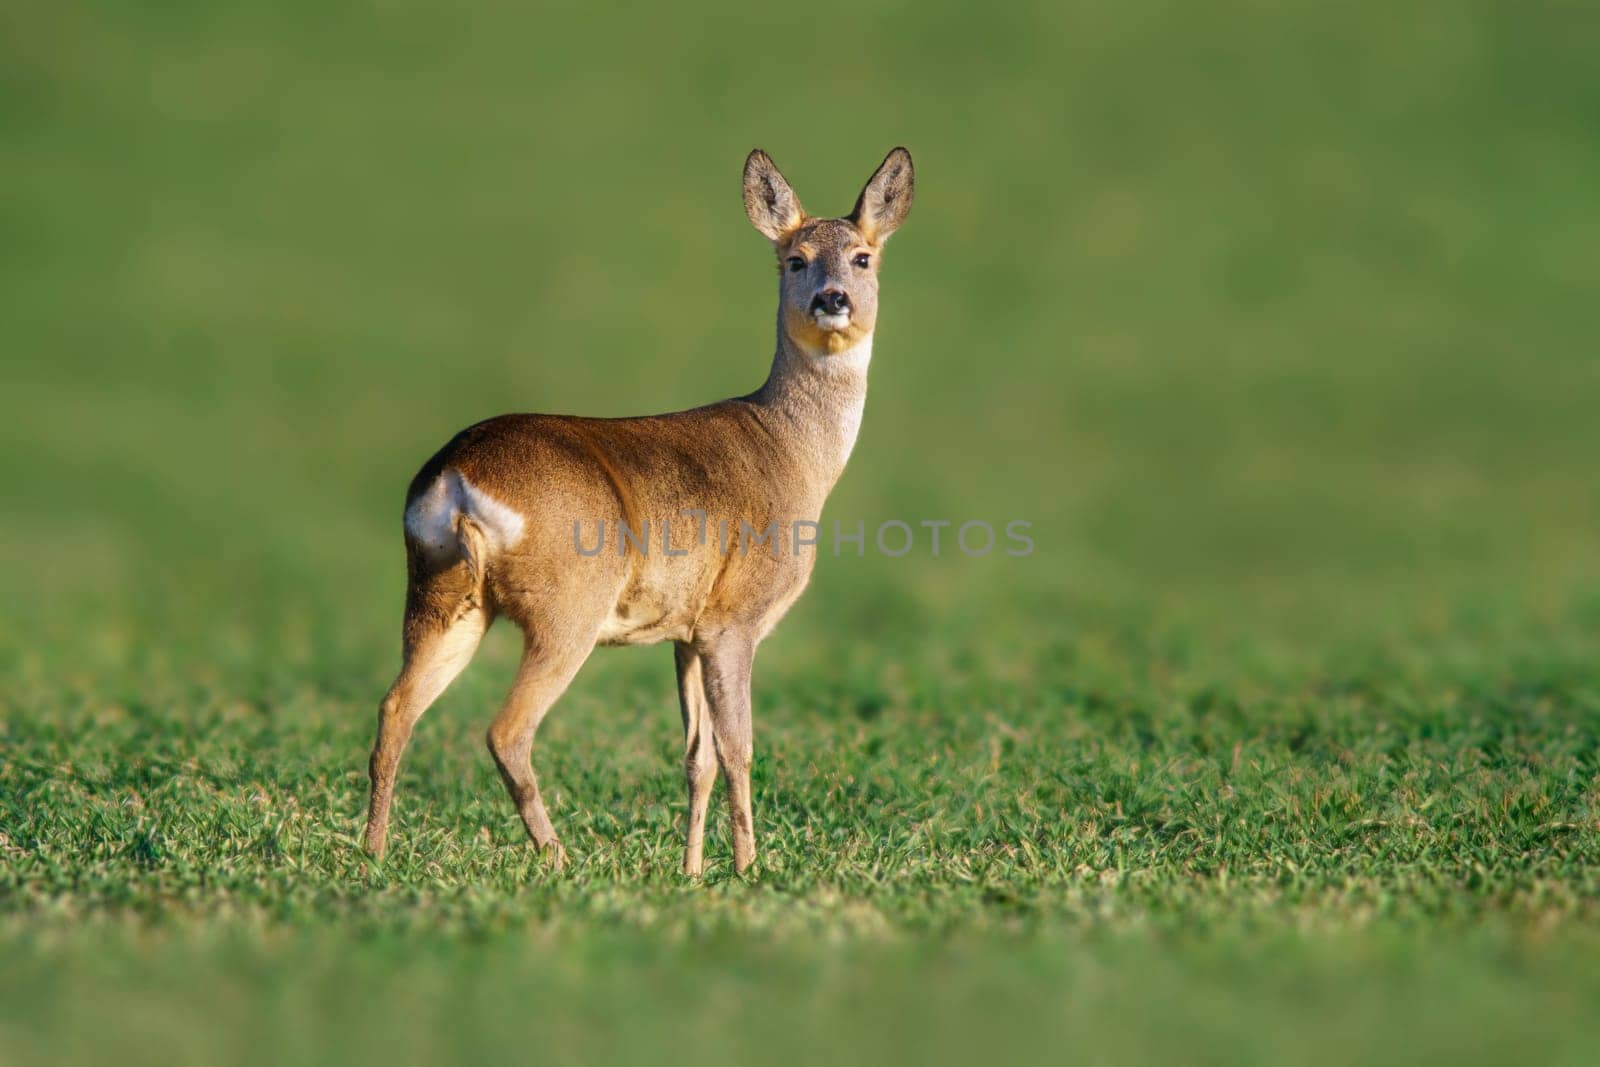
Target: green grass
[[1277, 324], [1121, 849]]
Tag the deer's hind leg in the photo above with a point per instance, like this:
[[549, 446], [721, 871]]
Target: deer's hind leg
[[443, 627], [546, 671]]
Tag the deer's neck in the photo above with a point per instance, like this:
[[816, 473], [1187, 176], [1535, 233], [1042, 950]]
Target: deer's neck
[[817, 401]]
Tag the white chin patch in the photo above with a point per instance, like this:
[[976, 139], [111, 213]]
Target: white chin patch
[[832, 322]]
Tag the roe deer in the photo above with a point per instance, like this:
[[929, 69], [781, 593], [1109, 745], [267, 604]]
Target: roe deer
[[492, 524]]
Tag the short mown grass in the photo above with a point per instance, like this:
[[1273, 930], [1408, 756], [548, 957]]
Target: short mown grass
[[1155, 861]]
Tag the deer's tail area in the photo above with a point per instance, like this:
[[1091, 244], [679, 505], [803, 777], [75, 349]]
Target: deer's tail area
[[474, 548], [449, 520]]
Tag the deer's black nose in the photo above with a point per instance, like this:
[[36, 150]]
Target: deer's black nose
[[832, 301]]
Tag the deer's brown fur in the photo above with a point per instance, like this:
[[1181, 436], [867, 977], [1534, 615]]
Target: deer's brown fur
[[500, 523]]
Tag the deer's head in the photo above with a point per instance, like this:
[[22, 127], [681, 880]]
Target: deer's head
[[828, 268]]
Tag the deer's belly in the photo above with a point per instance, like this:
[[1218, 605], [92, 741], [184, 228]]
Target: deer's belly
[[643, 624], [659, 602]]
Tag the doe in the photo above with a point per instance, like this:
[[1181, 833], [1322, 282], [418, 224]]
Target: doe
[[493, 520]]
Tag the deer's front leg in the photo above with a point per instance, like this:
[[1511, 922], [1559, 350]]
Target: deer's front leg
[[726, 664], [699, 757]]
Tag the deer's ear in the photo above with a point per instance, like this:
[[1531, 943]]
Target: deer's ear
[[886, 201], [771, 204]]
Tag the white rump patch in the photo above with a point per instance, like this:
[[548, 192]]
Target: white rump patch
[[431, 517]]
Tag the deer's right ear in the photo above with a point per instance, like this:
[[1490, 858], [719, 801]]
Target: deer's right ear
[[771, 204]]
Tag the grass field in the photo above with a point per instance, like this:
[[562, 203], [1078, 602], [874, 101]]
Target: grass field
[[1278, 325]]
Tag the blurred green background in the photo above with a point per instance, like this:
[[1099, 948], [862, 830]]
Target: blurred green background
[[1277, 321]]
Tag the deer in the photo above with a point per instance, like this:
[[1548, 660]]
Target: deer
[[492, 526]]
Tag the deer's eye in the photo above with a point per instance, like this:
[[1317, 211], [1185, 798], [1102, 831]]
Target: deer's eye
[[862, 260], [796, 264]]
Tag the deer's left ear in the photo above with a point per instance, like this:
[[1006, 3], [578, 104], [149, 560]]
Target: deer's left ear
[[886, 201]]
